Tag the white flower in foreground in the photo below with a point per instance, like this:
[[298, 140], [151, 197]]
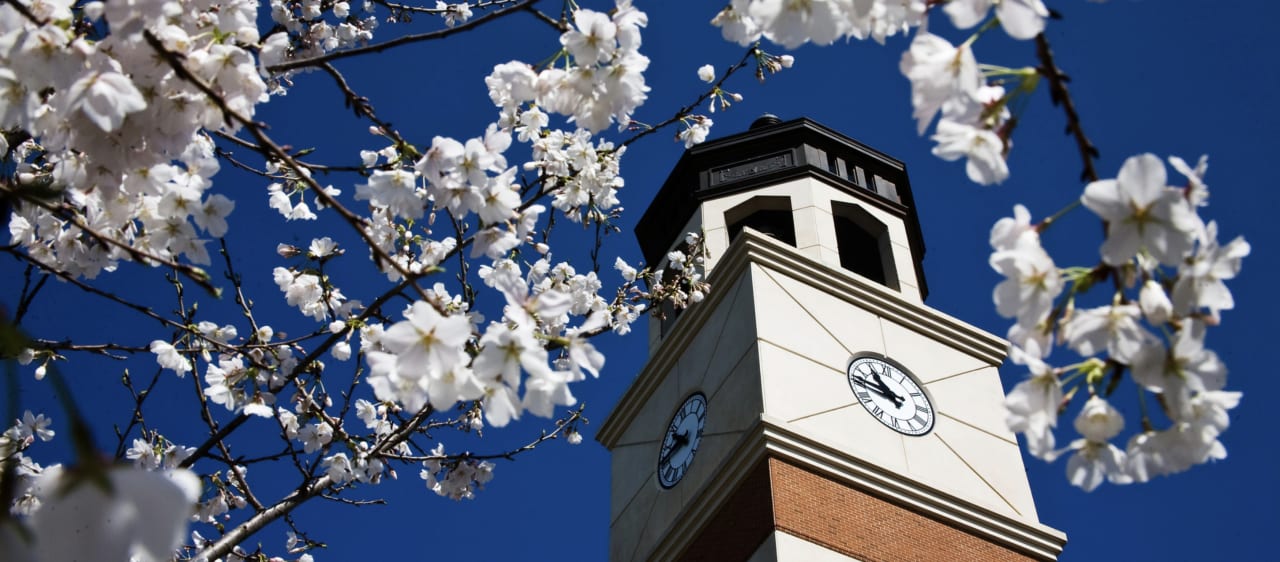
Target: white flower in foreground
[[168, 357], [1154, 302], [105, 98], [1187, 365], [1007, 232], [1142, 213], [1197, 192], [315, 436], [1192, 440], [628, 272], [1200, 280], [792, 24], [212, 215], [427, 341], [707, 73], [1021, 19], [1095, 462], [1099, 421], [593, 40], [982, 147], [736, 26], [938, 72], [1032, 406], [143, 517], [394, 190], [1115, 328], [322, 248], [1095, 459], [696, 132], [34, 425], [143, 454], [1031, 284]]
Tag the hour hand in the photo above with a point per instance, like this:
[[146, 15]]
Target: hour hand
[[681, 439], [877, 386], [888, 393]]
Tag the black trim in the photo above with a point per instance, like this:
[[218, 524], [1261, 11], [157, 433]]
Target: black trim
[[772, 154]]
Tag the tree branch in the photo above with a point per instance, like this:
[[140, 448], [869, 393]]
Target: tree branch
[[1060, 96], [399, 41]]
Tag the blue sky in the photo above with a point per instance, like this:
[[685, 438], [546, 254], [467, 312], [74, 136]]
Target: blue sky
[[1173, 77]]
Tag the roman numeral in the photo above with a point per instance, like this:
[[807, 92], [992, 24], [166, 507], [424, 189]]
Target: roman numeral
[[876, 411], [862, 395]]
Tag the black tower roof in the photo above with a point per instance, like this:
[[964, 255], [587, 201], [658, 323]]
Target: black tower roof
[[769, 153]]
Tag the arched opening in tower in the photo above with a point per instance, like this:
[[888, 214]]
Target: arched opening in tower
[[769, 214], [863, 243]]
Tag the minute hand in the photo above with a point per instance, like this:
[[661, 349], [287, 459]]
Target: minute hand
[[877, 386], [681, 439]]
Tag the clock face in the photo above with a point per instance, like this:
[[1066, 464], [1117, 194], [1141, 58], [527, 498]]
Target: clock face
[[891, 395], [681, 440]]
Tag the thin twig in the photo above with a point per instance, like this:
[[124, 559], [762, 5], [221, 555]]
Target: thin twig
[[1060, 96], [399, 41], [686, 110]]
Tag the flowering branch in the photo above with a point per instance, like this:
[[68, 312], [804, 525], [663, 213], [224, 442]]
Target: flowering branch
[[401, 41]]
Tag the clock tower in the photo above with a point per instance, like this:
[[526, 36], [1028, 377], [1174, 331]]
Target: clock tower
[[812, 407]]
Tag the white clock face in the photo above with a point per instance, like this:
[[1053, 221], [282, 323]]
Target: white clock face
[[891, 395], [681, 440]]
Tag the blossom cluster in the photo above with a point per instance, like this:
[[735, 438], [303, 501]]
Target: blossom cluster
[[310, 28], [113, 125], [946, 79], [601, 82], [1163, 271]]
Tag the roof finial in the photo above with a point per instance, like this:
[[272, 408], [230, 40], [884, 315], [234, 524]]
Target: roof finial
[[764, 121]]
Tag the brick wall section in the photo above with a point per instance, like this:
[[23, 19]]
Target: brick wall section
[[741, 525], [866, 527]]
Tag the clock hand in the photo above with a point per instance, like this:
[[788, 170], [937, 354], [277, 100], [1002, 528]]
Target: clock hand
[[897, 400], [879, 387], [681, 439]]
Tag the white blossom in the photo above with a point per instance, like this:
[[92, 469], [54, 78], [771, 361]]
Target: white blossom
[[1200, 279], [169, 357], [938, 71], [707, 73], [143, 517], [1141, 213]]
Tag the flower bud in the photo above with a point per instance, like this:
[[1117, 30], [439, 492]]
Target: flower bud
[[1154, 302]]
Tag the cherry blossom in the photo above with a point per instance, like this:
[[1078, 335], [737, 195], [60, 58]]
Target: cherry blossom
[[168, 357], [1200, 281], [1021, 19], [143, 516], [983, 149], [1095, 459], [1032, 405], [938, 71], [1032, 280], [1142, 213], [1187, 364]]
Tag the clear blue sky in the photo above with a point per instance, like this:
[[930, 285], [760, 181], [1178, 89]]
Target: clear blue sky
[[1170, 77]]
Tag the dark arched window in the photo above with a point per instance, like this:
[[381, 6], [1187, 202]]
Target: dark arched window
[[771, 215], [864, 244]]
